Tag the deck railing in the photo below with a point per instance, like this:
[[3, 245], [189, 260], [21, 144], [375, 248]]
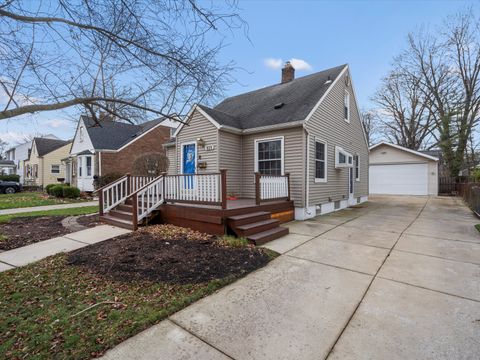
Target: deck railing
[[206, 189], [271, 187], [118, 191], [147, 199]]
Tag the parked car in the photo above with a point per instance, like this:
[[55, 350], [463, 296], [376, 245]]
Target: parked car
[[10, 187]]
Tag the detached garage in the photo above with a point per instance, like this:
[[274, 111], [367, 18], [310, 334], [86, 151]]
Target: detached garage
[[395, 170]]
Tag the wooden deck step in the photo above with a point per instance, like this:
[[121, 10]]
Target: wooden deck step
[[125, 208], [119, 214], [238, 220], [126, 224], [268, 235], [256, 227]]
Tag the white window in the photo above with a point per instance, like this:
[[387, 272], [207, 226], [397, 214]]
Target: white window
[[269, 156], [342, 158], [320, 161], [357, 167], [55, 169], [79, 166], [346, 106], [82, 133], [89, 165]]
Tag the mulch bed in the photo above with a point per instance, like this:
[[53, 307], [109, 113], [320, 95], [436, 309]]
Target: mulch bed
[[22, 231], [169, 254]]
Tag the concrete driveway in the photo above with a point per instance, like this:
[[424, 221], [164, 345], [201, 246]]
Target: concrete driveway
[[396, 278]]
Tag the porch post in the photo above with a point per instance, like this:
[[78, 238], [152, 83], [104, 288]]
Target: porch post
[[223, 177], [288, 185], [135, 211], [164, 174], [257, 188], [100, 202], [128, 184]]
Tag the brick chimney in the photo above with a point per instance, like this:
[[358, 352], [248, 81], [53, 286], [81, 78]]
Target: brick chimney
[[288, 73]]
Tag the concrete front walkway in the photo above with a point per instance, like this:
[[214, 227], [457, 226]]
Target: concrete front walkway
[[31, 253], [48, 207], [396, 278]]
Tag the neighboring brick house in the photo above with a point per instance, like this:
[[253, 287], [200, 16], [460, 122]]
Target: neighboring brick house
[[111, 147]]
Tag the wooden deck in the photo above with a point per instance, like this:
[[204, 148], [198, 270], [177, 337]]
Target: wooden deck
[[213, 219]]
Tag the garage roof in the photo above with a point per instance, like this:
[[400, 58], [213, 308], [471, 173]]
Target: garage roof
[[404, 149]]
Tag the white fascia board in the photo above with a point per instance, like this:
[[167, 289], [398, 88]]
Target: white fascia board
[[404, 149], [358, 109]]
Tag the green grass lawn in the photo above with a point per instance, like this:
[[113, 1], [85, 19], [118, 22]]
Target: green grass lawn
[[50, 310], [31, 199], [85, 210]]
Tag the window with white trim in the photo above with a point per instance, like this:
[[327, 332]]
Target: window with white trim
[[342, 158], [320, 161], [89, 165], [270, 156], [357, 167], [55, 169], [346, 106]]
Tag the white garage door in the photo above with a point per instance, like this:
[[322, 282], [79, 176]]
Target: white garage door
[[399, 179]]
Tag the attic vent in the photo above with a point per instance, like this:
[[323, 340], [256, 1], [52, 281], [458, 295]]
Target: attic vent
[[329, 80], [279, 105]]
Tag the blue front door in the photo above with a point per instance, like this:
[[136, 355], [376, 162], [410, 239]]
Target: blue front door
[[189, 160]]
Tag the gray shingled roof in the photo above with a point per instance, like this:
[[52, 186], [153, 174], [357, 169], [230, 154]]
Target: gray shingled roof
[[257, 108], [45, 146], [112, 135]]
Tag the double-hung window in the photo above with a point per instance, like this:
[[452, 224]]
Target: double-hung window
[[55, 169], [346, 106], [269, 159], [320, 161]]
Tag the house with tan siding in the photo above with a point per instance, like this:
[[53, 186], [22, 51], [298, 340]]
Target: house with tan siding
[[44, 165], [308, 128]]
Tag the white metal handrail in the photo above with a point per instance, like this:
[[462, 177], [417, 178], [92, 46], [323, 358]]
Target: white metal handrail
[[149, 197], [113, 194], [118, 191]]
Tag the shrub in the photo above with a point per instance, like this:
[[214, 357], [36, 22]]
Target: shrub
[[12, 177], [106, 179], [71, 192], [57, 190], [48, 188]]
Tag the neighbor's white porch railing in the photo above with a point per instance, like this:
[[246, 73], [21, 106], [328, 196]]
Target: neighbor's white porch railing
[[271, 187], [208, 188]]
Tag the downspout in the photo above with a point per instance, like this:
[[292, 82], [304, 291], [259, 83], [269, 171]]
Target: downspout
[[99, 164], [307, 175]]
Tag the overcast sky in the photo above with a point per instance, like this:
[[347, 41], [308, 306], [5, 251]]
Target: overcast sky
[[314, 35]]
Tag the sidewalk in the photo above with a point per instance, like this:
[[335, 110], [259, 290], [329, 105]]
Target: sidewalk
[[31, 253], [48, 207]]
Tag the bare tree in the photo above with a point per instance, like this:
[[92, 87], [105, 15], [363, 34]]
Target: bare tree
[[153, 164], [370, 122], [447, 65], [3, 148], [405, 115], [130, 58]]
